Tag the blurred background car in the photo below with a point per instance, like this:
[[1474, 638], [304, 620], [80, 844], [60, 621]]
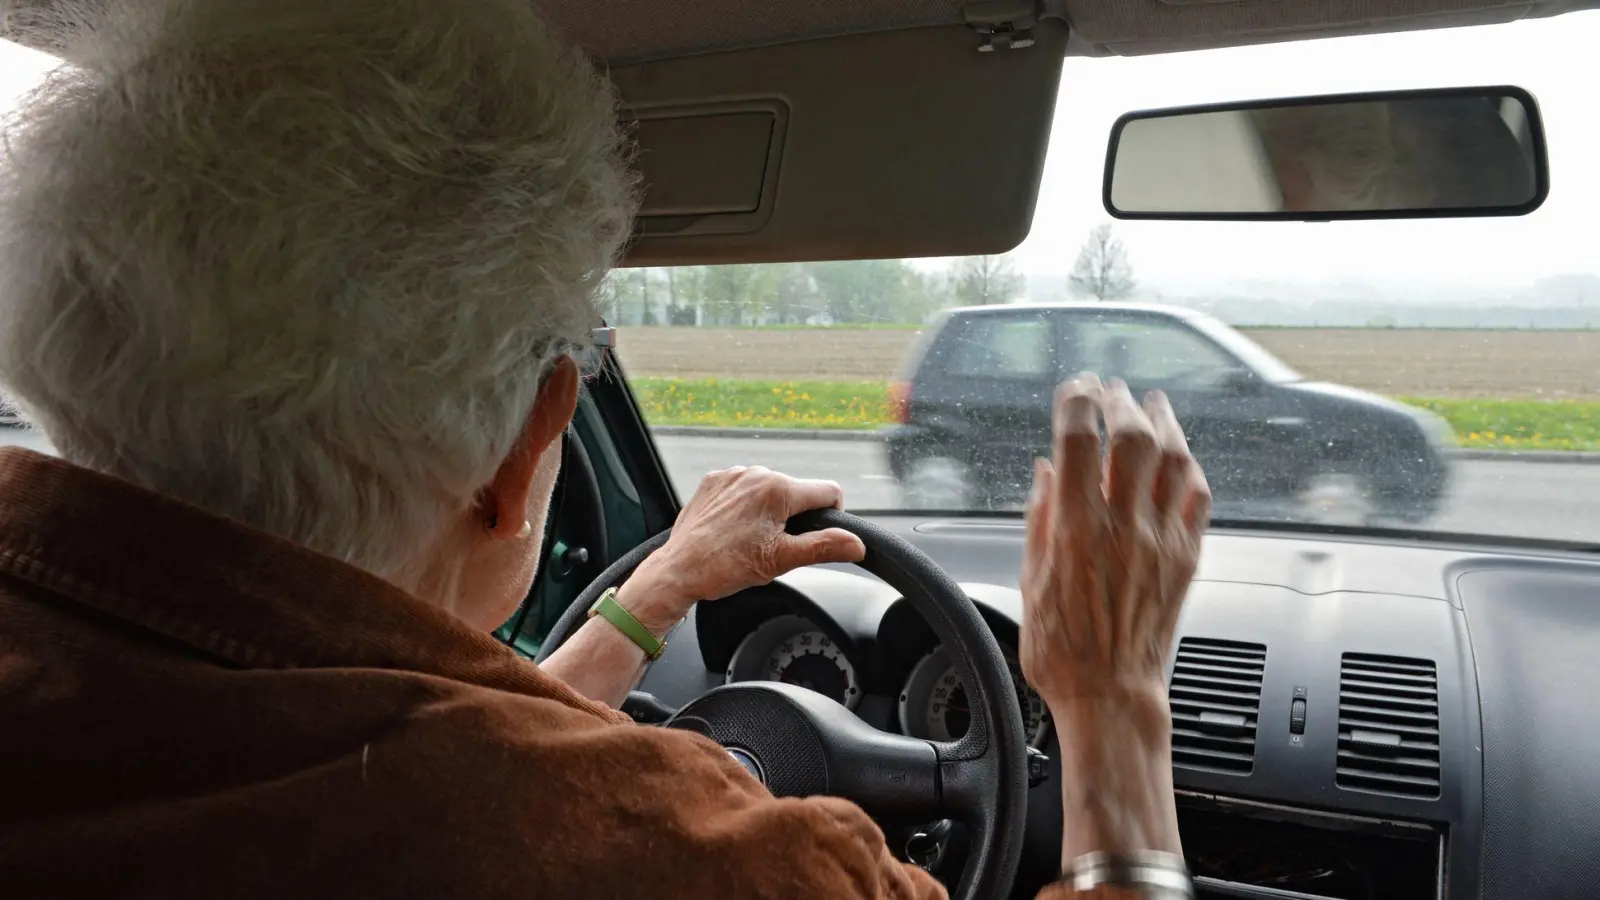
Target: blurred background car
[[10, 416], [973, 409]]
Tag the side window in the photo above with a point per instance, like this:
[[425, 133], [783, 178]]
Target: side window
[[1151, 353], [1000, 347]]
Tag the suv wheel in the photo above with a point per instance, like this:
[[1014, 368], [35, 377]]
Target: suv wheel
[[1337, 498]]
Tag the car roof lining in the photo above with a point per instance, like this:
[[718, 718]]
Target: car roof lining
[[628, 32], [624, 32]]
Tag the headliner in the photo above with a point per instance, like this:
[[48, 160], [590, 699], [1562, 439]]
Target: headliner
[[620, 32], [625, 31]]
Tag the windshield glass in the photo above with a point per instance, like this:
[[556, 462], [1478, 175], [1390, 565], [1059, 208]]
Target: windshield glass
[[1428, 374]]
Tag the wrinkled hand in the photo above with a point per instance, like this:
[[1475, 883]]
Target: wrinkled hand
[[1111, 545], [730, 536]]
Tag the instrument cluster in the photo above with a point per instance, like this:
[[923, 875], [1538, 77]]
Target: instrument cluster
[[932, 702]]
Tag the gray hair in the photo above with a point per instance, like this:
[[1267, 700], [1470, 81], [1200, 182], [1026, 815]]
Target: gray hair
[[304, 263]]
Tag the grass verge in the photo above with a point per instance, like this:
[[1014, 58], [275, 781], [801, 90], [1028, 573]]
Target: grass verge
[[753, 403], [1518, 424]]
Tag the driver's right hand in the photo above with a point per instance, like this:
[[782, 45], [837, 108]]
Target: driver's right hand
[[1111, 545]]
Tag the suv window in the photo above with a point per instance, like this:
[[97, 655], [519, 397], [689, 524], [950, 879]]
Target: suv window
[[1151, 353], [998, 347]]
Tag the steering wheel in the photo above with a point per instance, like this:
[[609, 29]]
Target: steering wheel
[[801, 743]]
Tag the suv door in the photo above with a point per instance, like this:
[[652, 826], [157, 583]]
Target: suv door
[[1224, 409], [983, 395]]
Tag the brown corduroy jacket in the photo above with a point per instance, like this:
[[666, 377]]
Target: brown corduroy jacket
[[190, 708]]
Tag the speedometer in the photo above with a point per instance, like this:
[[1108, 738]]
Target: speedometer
[[792, 650], [813, 661], [933, 704]]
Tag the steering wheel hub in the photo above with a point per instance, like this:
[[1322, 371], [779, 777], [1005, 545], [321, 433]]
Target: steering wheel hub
[[748, 762]]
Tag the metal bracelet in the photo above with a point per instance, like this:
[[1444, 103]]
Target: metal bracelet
[[1159, 876]]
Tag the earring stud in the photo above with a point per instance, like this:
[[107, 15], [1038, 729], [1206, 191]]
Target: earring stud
[[527, 529]]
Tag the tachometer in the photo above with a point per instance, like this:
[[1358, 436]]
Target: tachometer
[[793, 650], [933, 704]]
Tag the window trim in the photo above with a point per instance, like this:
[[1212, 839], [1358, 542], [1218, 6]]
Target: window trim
[[960, 321], [1075, 319]]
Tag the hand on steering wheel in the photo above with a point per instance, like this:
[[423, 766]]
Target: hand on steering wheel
[[731, 536]]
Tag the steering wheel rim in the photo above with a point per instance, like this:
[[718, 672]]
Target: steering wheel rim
[[980, 779]]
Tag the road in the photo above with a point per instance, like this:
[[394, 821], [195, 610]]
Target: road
[[1555, 501]]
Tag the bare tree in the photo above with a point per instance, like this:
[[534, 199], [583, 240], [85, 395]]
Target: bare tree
[[983, 280], [1102, 270]]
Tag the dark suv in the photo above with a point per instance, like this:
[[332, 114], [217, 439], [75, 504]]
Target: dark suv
[[973, 409]]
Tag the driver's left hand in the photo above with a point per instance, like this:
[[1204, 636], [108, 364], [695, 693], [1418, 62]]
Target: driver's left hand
[[731, 536]]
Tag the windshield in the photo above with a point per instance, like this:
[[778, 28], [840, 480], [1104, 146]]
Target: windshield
[[1249, 353], [1435, 375]]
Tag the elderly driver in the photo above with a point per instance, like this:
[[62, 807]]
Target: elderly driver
[[1374, 155], [293, 287]]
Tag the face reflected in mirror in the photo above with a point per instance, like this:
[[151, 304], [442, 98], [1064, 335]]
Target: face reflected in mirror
[[1457, 152]]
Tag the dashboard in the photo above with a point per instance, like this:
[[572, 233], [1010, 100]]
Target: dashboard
[[1354, 717]]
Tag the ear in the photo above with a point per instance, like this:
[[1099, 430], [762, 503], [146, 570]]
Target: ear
[[508, 499]]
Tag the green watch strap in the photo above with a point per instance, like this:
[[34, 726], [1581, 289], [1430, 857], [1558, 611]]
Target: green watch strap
[[609, 609]]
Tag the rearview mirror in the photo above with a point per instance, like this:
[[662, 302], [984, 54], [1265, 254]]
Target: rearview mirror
[[1409, 154]]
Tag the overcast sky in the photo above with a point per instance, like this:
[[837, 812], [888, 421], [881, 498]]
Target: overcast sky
[[1552, 58]]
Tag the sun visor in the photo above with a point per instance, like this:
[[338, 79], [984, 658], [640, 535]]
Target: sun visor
[[886, 145]]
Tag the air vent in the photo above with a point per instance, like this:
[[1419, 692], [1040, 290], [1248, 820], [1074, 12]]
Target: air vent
[[1388, 725], [1216, 699]]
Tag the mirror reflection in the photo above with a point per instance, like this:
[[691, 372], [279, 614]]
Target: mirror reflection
[[1449, 152]]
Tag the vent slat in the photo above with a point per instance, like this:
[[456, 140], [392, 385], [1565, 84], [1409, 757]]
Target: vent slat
[[1361, 662], [1374, 682], [1200, 694], [1241, 748], [1248, 673], [1388, 726], [1230, 660], [1241, 707], [1387, 782], [1391, 700], [1230, 684], [1191, 722], [1421, 765], [1391, 714], [1415, 732], [1216, 704]]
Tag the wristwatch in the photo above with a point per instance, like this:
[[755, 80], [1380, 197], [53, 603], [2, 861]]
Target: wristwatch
[[1145, 873], [609, 609]]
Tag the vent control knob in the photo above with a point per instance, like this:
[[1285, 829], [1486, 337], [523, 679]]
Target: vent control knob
[[1297, 716]]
